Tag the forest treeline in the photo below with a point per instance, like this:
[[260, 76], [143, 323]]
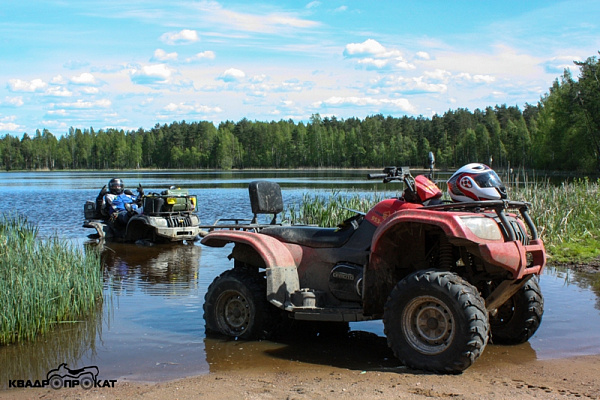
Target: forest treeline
[[560, 132]]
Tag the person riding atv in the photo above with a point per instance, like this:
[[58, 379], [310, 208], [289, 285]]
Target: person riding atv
[[117, 203], [168, 216]]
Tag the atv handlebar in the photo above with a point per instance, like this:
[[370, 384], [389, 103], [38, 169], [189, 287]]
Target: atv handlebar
[[376, 176]]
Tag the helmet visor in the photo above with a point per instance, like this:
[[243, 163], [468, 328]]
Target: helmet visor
[[488, 179]]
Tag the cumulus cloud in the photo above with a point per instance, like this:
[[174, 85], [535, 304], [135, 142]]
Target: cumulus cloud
[[151, 74], [161, 55], [185, 36], [373, 55], [204, 55], [58, 91], [232, 75], [423, 55], [18, 85], [83, 79]]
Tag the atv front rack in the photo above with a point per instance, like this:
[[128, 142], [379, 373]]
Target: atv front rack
[[498, 206]]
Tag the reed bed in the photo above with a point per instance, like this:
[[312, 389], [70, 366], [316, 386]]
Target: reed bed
[[42, 282], [567, 216], [330, 210]]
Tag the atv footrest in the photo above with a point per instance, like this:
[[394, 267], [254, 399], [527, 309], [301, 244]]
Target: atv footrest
[[332, 315]]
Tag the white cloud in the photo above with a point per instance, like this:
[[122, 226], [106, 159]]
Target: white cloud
[[265, 23], [58, 91], [185, 36], [8, 124], [90, 90], [58, 80], [16, 101], [208, 55], [80, 104], [373, 55], [313, 4], [151, 74], [335, 101], [18, 85], [184, 108], [368, 47], [232, 75], [161, 55], [83, 79], [556, 65], [423, 55]]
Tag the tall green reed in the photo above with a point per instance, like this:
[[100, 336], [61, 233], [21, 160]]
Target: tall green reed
[[42, 282], [567, 216]]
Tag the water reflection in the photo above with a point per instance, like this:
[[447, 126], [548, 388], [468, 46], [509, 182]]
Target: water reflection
[[157, 270], [68, 343]]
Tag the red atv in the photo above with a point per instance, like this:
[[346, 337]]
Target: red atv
[[443, 277]]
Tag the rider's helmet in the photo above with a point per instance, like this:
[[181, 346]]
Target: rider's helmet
[[116, 186], [475, 182]]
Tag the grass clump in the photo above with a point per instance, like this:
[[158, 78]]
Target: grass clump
[[42, 282]]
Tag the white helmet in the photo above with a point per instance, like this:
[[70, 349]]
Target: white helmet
[[475, 182]]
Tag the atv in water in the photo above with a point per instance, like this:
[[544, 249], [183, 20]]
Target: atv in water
[[445, 278], [168, 216]]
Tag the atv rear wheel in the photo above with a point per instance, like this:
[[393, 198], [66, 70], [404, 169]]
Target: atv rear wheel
[[436, 321], [236, 305], [520, 317]]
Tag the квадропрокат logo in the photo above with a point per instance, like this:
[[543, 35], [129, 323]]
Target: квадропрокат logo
[[63, 377]]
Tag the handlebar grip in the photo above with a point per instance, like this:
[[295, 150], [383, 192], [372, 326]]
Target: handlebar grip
[[376, 176]]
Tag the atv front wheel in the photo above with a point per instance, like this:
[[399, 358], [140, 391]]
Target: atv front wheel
[[520, 317], [236, 305], [436, 321]]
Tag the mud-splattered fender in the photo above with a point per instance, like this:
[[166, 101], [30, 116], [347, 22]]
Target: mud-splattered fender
[[281, 266]]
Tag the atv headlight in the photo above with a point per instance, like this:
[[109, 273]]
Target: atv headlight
[[484, 228]]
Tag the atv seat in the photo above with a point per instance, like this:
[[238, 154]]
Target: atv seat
[[311, 236], [265, 198]]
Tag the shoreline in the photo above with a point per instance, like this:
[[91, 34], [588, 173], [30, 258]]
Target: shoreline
[[501, 379]]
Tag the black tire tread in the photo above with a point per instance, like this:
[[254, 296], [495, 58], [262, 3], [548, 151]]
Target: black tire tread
[[468, 299], [267, 316], [527, 318]]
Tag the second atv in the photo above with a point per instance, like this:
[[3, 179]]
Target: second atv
[[443, 277], [168, 216]]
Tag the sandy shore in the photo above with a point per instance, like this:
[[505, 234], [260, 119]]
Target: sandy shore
[[575, 378]]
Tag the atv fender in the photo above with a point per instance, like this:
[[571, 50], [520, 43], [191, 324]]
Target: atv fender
[[281, 268], [511, 255]]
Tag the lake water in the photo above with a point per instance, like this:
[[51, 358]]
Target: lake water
[[150, 326]]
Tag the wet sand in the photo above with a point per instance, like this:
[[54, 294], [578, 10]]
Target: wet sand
[[573, 378]]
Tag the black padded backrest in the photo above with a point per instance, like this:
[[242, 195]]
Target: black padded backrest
[[265, 197]]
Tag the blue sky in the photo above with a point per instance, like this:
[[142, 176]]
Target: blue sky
[[132, 64]]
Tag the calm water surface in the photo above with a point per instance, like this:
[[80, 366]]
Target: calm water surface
[[150, 326]]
